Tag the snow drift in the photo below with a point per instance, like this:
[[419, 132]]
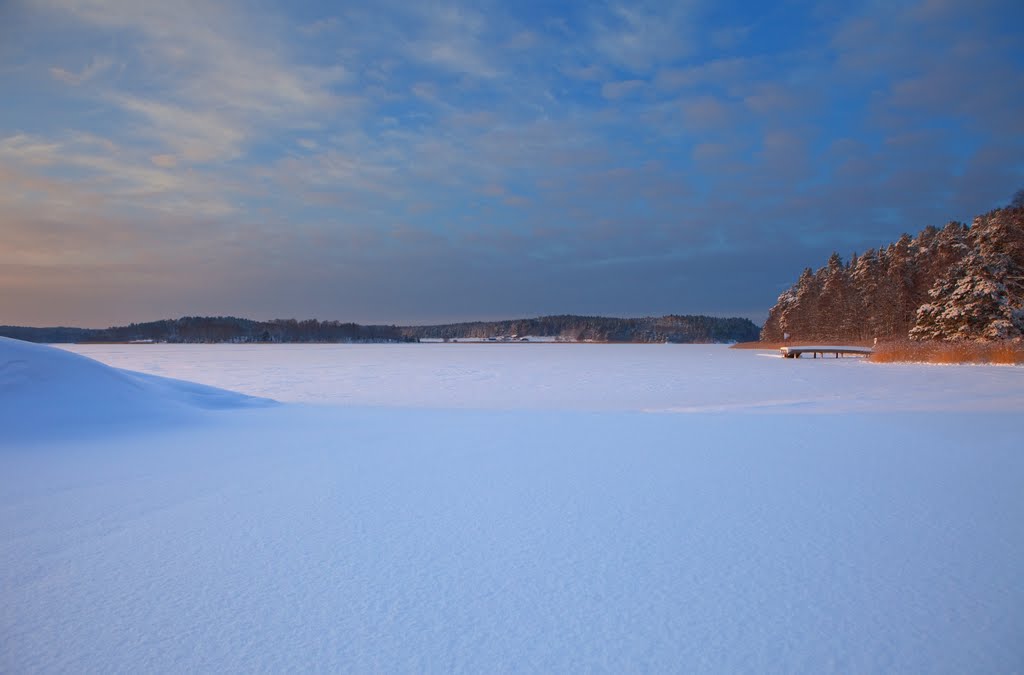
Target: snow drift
[[47, 392]]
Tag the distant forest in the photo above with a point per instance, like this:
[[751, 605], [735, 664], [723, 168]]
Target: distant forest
[[215, 329], [671, 328], [189, 329], [957, 283]]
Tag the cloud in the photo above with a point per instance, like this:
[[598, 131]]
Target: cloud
[[769, 98], [164, 161], [602, 152], [219, 74], [325, 25], [524, 39], [719, 72], [621, 89], [711, 153], [586, 73], [703, 113], [96, 67], [25, 149], [454, 40], [447, 37], [784, 155], [426, 91], [729, 37], [195, 136], [638, 37], [61, 177]]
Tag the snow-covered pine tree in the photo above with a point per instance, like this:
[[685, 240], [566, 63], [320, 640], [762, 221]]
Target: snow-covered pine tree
[[796, 312], [864, 277], [835, 301], [981, 297], [772, 330], [897, 288], [801, 322]]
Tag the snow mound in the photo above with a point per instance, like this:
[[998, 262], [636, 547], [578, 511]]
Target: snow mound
[[47, 392]]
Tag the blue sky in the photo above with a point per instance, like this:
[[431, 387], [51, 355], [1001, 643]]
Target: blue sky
[[414, 162]]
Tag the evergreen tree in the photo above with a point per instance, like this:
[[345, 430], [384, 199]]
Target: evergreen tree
[[865, 281], [953, 283], [835, 301], [982, 296]]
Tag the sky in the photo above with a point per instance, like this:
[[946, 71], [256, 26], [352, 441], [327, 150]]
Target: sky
[[407, 162]]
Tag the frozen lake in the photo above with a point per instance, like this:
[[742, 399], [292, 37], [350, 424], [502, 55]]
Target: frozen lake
[[685, 378], [491, 508]]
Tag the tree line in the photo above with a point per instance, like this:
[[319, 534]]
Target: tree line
[[670, 328], [198, 329], [209, 329], [954, 283]]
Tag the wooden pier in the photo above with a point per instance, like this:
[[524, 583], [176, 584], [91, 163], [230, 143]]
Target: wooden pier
[[797, 352]]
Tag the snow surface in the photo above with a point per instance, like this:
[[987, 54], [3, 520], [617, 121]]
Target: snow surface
[[47, 392], [508, 508], [596, 377]]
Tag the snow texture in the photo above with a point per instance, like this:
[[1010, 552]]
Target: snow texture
[[490, 508], [48, 392], [596, 377]]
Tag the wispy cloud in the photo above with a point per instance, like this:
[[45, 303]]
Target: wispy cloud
[[452, 37], [63, 170], [621, 89], [96, 67], [190, 135], [221, 74], [638, 37], [324, 25]]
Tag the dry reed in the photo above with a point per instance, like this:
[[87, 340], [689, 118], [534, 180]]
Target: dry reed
[[1008, 353], [756, 345]]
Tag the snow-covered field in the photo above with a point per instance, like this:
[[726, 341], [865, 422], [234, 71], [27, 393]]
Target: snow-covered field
[[498, 507]]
